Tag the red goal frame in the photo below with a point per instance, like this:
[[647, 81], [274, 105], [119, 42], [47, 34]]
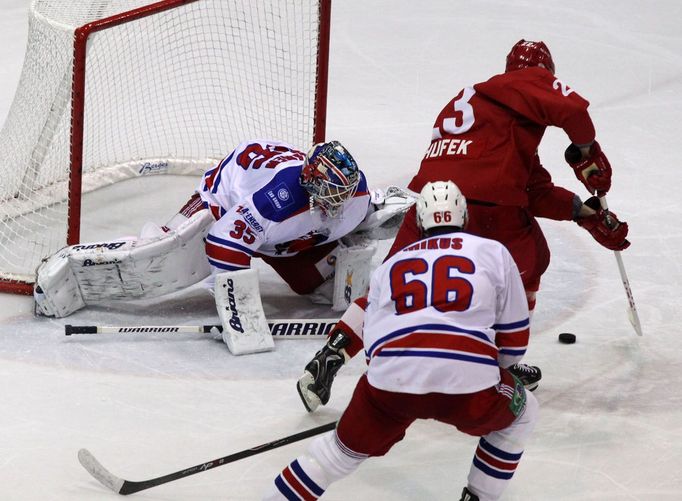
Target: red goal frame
[[81, 37]]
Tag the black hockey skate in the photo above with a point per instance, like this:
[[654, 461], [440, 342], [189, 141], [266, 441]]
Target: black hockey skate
[[468, 496], [315, 385], [529, 375]]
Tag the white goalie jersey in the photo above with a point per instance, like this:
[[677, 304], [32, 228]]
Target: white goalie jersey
[[261, 208]]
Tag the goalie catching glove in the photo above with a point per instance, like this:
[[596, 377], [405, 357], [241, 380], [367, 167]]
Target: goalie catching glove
[[386, 213], [590, 166], [605, 227]]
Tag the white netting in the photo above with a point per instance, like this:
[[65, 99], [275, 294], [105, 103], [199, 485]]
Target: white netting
[[171, 92]]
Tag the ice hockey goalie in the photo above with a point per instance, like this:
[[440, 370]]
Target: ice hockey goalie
[[309, 216]]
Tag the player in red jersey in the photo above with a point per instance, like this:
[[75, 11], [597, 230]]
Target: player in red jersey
[[485, 140]]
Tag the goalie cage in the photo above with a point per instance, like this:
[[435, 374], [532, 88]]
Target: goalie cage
[[112, 90]]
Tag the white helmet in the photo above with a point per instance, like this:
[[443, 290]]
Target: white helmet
[[441, 204]]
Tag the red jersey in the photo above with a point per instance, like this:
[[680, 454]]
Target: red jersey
[[485, 140]]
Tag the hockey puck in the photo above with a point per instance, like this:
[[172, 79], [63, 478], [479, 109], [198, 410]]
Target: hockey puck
[[567, 338]]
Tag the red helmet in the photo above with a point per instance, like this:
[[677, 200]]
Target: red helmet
[[526, 54]]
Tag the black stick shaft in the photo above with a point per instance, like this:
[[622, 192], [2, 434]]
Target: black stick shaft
[[130, 487]]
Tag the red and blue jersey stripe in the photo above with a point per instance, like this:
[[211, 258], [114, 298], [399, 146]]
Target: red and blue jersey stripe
[[436, 341], [226, 254], [213, 176], [512, 338]]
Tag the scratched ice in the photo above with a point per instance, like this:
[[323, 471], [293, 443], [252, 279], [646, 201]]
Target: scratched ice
[[611, 416]]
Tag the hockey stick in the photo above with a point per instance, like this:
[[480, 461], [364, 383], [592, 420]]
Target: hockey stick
[[125, 487], [282, 328], [632, 309]]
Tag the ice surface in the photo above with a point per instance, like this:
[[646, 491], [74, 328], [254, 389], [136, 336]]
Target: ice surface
[[611, 405]]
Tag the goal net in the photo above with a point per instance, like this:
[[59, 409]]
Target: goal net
[[115, 89]]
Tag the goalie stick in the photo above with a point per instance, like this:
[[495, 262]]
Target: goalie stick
[[632, 309], [125, 487], [282, 328]]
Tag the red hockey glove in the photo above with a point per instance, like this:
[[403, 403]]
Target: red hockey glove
[[594, 170], [605, 227]]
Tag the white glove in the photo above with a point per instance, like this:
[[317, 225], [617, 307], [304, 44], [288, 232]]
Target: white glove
[[386, 212]]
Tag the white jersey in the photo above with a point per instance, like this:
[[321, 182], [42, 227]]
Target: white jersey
[[440, 314], [261, 208]]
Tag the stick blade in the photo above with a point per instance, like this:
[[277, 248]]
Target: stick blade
[[634, 320], [95, 468]]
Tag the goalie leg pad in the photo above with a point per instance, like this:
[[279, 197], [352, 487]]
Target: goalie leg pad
[[351, 279], [56, 293], [123, 269], [237, 298]]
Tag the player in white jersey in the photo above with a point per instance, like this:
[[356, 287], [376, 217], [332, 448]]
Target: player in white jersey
[[271, 201], [445, 317]]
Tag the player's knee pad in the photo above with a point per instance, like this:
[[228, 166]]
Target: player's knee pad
[[530, 414], [513, 438], [336, 460], [525, 422]]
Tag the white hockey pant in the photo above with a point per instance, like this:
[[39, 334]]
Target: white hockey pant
[[499, 453]]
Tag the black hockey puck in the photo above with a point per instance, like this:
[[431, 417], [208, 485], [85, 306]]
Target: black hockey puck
[[567, 338]]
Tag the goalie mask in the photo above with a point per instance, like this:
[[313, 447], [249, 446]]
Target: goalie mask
[[330, 175], [441, 204], [526, 54]]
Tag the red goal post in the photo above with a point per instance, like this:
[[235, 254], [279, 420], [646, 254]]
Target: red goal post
[[115, 90]]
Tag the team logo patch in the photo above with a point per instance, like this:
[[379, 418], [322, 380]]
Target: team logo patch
[[249, 218], [279, 196]]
